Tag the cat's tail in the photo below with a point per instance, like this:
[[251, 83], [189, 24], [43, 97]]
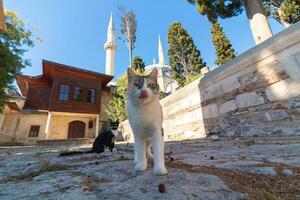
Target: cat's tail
[[70, 153]]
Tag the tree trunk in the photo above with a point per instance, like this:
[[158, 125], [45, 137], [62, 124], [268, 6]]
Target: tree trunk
[[130, 56], [1, 16], [258, 20]]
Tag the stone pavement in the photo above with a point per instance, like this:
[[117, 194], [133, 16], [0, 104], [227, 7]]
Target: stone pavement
[[256, 168]]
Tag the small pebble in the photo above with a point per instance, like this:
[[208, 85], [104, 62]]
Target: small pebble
[[212, 158], [161, 188], [143, 190]]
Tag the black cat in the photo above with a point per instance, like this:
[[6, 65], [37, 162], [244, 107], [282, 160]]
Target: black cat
[[104, 140]]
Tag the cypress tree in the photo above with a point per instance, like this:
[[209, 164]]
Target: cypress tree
[[223, 47], [138, 64], [184, 57]]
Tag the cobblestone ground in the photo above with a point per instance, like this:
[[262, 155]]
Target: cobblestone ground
[[256, 168]]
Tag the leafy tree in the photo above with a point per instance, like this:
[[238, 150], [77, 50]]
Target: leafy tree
[[128, 30], [14, 41], [214, 9], [138, 64], [116, 109], [184, 57], [284, 11], [223, 47]]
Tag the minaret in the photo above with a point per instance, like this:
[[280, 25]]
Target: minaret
[[110, 48], [161, 58]]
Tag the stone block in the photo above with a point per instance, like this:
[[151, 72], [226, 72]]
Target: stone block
[[228, 134], [249, 99], [249, 79], [282, 91], [210, 111], [223, 123], [279, 106], [274, 115], [295, 111], [295, 103], [228, 107]]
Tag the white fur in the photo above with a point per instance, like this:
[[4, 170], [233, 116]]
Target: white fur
[[115, 132], [145, 118]]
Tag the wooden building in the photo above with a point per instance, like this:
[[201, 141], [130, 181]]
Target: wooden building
[[64, 102], [1, 16]]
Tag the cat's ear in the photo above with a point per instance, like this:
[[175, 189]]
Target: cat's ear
[[153, 74], [130, 74]]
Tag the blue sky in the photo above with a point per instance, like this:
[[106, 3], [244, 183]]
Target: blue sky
[[74, 31]]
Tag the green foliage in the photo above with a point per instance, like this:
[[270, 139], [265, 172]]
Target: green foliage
[[216, 8], [196, 76], [184, 57], [128, 30], [287, 11], [116, 109], [162, 94], [13, 42], [223, 47], [138, 64]]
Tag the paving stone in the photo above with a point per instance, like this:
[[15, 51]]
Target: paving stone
[[114, 178]]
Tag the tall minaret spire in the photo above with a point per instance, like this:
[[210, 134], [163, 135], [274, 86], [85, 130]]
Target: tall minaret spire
[[110, 47], [161, 58]]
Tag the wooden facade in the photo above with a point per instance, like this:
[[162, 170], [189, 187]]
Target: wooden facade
[[63, 88], [1, 16]]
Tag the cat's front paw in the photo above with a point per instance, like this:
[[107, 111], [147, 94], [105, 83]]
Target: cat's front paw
[[140, 167], [160, 170]]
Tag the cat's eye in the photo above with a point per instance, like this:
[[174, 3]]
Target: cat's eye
[[151, 85], [135, 85]]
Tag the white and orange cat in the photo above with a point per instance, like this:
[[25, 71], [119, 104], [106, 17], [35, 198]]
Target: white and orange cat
[[145, 119]]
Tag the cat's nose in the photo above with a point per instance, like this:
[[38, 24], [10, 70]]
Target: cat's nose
[[143, 94]]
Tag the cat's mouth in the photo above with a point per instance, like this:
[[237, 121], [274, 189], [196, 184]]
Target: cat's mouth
[[143, 95]]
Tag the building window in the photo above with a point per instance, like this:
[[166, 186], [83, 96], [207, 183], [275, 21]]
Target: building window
[[64, 92], [34, 131], [78, 94], [90, 96], [91, 124]]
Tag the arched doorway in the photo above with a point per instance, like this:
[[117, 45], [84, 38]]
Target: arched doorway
[[76, 129]]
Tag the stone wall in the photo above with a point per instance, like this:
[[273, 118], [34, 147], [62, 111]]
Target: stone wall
[[257, 93]]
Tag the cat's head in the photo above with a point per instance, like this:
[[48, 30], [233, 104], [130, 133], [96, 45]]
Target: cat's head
[[114, 125], [142, 89]]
